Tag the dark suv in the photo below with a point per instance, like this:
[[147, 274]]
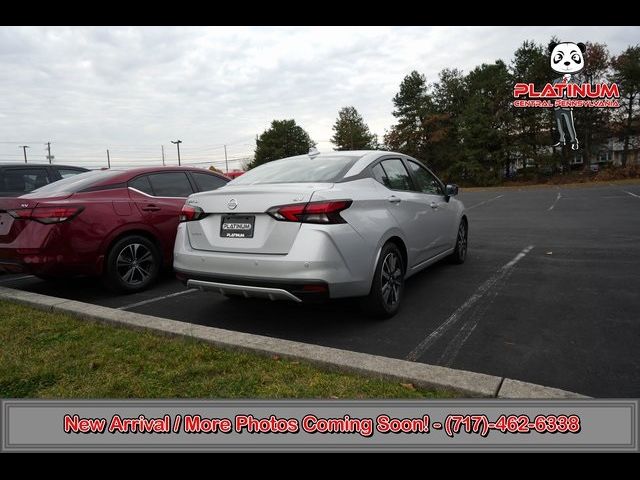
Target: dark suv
[[17, 178]]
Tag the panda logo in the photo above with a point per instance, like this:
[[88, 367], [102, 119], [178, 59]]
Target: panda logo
[[566, 58]]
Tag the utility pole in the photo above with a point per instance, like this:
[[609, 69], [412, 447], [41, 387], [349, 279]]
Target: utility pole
[[49, 157], [177, 144], [24, 150], [162, 155], [226, 162], [108, 159]]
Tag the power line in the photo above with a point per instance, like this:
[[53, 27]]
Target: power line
[[140, 154]]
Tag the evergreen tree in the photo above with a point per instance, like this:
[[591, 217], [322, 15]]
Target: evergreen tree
[[443, 125], [283, 139], [487, 123], [626, 73], [412, 104], [466, 127], [593, 124], [351, 133], [534, 127]]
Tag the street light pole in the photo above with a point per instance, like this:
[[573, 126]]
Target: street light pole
[[24, 150], [226, 162], [177, 144]]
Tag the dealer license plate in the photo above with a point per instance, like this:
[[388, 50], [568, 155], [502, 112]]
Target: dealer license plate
[[236, 226]]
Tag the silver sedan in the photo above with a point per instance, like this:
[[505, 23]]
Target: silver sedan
[[322, 225]]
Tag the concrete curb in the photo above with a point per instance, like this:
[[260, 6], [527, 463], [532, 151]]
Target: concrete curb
[[516, 389], [422, 375]]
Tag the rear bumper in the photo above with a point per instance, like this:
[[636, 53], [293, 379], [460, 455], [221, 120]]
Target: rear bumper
[[60, 249], [314, 260], [251, 287], [70, 248], [32, 262], [43, 262], [8, 266]]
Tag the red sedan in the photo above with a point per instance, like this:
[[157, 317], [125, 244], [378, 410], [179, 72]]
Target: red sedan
[[118, 224]]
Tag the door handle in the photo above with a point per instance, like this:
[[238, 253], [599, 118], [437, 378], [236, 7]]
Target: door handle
[[394, 199], [433, 205], [150, 208]]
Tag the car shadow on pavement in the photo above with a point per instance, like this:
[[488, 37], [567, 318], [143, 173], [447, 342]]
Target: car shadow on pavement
[[275, 317], [92, 289]]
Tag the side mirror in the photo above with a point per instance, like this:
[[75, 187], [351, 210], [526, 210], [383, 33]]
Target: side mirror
[[451, 190]]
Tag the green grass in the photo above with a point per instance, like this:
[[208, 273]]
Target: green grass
[[51, 355]]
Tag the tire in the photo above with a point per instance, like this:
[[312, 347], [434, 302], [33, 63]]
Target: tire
[[459, 255], [133, 264], [384, 298]]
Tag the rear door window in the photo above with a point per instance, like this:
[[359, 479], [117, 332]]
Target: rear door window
[[142, 184], [170, 184], [380, 175], [207, 182], [397, 175]]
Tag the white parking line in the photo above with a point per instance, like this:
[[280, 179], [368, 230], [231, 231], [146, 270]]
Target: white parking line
[[469, 325], [462, 309], [558, 197], [9, 280], [486, 201], [451, 351], [632, 194], [625, 191], [157, 299]]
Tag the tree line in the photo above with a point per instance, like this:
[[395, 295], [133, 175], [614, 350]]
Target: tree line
[[465, 127]]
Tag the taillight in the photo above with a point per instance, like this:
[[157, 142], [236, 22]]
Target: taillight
[[46, 214], [23, 213], [326, 212], [190, 213]]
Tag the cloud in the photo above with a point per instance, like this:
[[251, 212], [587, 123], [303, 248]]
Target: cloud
[[132, 89]]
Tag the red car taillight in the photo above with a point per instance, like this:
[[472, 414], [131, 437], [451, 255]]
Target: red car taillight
[[46, 214], [190, 213], [325, 212]]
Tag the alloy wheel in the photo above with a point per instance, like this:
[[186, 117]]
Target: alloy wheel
[[134, 264], [391, 283], [462, 241]]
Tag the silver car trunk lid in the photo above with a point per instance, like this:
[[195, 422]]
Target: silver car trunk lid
[[247, 205]]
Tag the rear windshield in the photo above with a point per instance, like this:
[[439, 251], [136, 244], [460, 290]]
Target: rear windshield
[[75, 183], [302, 169]]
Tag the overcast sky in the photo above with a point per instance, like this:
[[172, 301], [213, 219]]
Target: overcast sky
[[133, 89]]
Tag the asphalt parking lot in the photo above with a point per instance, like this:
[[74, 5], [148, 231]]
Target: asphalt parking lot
[[550, 294]]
